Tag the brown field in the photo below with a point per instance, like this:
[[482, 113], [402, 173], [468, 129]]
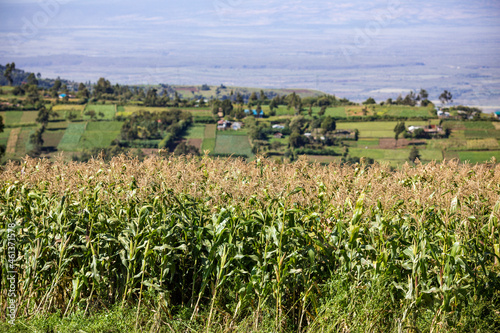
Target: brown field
[[496, 124], [195, 142], [388, 143]]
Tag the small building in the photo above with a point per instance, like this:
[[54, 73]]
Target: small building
[[308, 135], [278, 135], [497, 114], [62, 96], [412, 128], [223, 125], [236, 126], [278, 126], [255, 113]]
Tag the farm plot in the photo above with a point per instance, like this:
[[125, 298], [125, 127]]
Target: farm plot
[[9, 139], [478, 156], [195, 132], [482, 144], [11, 118], [71, 139], [29, 117], [52, 138], [232, 144], [336, 112], [106, 111], [407, 111], [370, 129], [100, 134], [481, 134]]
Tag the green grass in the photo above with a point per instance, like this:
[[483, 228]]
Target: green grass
[[210, 130], [481, 134], [208, 144], [71, 139], [381, 154], [430, 155], [405, 111], [98, 139], [478, 156], [4, 136], [195, 132], [11, 118], [232, 144], [29, 117], [337, 112], [105, 126], [486, 125], [107, 109], [368, 142]]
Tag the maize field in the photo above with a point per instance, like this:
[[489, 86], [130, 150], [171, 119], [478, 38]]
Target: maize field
[[211, 245]]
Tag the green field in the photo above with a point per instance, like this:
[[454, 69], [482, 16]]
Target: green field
[[195, 132], [478, 156], [481, 134], [71, 139], [232, 144], [108, 110], [11, 118]]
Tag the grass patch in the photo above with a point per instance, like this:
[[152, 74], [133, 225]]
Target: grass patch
[[98, 139], [479, 144], [210, 131], [232, 144], [109, 111], [208, 144], [71, 139], [481, 134], [105, 126], [486, 125], [11, 117], [195, 132], [29, 117], [406, 111], [478, 156]]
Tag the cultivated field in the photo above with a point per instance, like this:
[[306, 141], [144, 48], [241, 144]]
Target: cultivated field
[[211, 245]]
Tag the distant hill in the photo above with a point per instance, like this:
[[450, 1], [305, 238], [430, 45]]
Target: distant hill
[[19, 76]]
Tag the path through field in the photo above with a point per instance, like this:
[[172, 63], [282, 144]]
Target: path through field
[[11, 144]]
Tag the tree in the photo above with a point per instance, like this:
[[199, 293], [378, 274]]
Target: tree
[[310, 111], [296, 140], [369, 101], [31, 80], [36, 139], [446, 97], [239, 98], [43, 116], [322, 111], [398, 129], [9, 68], [262, 96], [423, 94], [328, 124], [414, 154]]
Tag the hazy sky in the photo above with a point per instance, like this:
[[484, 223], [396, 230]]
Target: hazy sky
[[294, 34]]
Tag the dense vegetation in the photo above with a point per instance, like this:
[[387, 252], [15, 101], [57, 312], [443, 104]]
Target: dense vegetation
[[183, 245]]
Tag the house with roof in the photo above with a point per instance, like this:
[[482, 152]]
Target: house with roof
[[278, 126], [278, 135], [497, 114], [223, 125]]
